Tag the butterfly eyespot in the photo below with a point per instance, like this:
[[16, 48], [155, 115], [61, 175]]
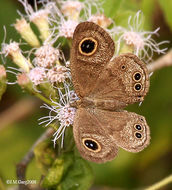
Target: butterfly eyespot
[[123, 67], [138, 127], [88, 46], [138, 135], [91, 145], [137, 87], [137, 76]]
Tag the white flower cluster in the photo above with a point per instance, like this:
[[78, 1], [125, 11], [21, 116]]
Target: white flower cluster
[[140, 41], [61, 112], [48, 67], [45, 63]]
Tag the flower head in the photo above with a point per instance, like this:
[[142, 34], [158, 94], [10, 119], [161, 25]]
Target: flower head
[[35, 15], [63, 28], [11, 48], [71, 9], [101, 20], [67, 28], [69, 17], [133, 38], [66, 115], [58, 74], [141, 41], [46, 56], [61, 112], [37, 75], [14, 52]]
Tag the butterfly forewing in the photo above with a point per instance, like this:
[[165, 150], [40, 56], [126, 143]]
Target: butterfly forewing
[[92, 49]]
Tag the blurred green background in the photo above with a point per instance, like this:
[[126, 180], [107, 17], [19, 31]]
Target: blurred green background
[[128, 170]]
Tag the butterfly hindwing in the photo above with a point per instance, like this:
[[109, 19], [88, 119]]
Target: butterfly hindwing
[[125, 79], [98, 133], [91, 138], [129, 130]]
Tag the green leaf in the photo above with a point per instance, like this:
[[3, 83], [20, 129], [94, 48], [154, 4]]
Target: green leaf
[[58, 170], [121, 19], [79, 177], [44, 155], [70, 172], [148, 10], [166, 6], [115, 7], [111, 7]]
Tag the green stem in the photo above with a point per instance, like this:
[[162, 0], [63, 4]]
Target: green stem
[[45, 99], [2, 187], [161, 183]]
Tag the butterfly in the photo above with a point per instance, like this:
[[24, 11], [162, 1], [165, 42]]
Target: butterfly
[[105, 86]]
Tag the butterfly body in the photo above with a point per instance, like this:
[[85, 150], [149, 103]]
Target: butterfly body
[[105, 86], [87, 102]]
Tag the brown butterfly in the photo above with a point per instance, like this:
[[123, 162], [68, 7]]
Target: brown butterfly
[[105, 86]]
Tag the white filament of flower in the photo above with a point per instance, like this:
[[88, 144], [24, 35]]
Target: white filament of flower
[[62, 113], [141, 40]]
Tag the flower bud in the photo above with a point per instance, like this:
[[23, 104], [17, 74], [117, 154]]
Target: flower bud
[[2, 72], [40, 19], [12, 50], [26, 32], [24, 81], [101, 20], [72, 9]]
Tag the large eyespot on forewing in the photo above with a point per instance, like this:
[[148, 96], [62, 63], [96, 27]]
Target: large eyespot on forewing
[[92, 43], [88, 46], [92, 49]]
